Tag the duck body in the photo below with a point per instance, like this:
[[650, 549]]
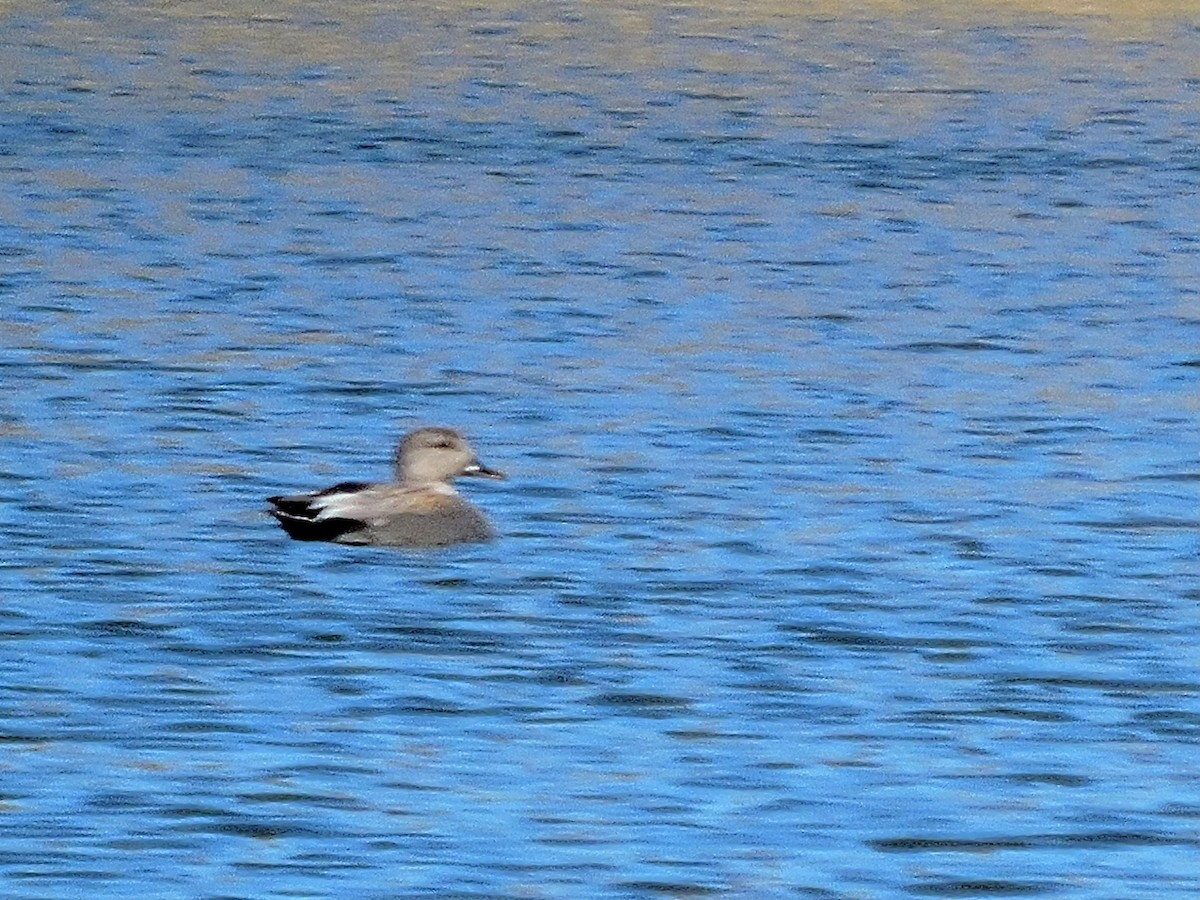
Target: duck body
[[420, 508]]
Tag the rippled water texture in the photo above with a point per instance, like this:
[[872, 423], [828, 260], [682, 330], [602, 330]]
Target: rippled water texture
[[844, 365]]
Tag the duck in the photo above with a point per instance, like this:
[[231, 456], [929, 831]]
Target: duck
[[419, 508]]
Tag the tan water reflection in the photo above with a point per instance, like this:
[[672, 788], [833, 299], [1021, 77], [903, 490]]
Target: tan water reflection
[[883, 70]]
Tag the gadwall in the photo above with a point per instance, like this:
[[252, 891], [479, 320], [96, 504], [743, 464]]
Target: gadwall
[[419, 509]]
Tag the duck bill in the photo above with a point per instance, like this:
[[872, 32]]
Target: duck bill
[[477, 469]]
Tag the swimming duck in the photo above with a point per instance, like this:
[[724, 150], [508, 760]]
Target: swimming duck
[[420, 508]]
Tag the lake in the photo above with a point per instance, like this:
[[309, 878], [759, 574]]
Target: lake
[[845, 365]]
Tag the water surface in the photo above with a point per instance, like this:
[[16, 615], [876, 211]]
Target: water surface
[[844, 365]]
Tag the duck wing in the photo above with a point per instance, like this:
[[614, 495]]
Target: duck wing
[[333, 514]]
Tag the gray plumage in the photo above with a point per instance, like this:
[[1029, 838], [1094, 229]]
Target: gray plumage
[[420, 508]]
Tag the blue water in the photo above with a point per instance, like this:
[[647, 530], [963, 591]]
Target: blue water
[[845, 372]]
